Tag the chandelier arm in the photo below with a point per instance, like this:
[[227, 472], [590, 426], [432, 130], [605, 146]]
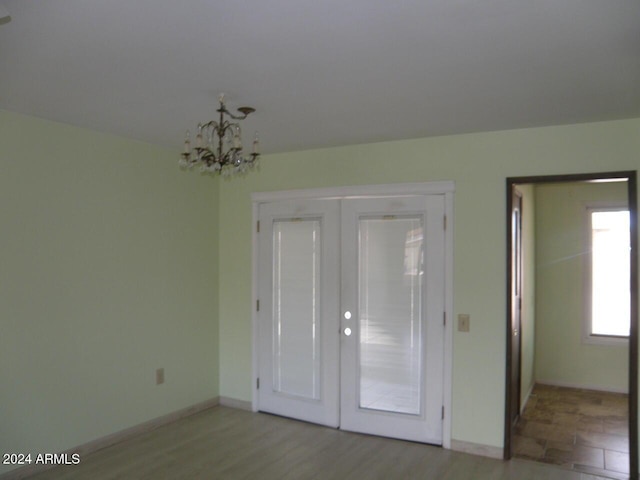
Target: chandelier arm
[[211, 123], [215, 132], [209, 157]]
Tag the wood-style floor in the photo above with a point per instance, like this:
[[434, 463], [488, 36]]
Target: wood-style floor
[[583, 430], [224, 443]]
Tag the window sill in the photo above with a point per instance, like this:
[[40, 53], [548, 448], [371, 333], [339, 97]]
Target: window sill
[[605, 340]]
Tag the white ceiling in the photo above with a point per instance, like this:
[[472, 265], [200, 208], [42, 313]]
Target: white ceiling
[[321, 72]]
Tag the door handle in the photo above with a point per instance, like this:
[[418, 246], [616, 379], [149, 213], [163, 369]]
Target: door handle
[[347, 330]]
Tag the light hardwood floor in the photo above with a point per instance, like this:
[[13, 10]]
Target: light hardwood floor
[[225, 443]]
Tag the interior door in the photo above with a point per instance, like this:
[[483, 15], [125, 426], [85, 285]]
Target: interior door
[[392, 339], [516, 302], [298, 312]]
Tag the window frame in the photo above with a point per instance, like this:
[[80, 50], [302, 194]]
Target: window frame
[[587, 336]]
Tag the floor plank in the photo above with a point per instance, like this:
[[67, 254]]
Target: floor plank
[[224, 443]]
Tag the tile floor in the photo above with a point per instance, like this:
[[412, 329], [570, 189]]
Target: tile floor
[[582, 430]]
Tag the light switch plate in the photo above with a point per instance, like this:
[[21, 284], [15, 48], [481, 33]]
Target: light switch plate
[[463, 322]]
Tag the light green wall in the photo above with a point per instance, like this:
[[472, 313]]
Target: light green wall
[[562, 245], [108, 270], [110, 267], [478, 163], [528, 315]]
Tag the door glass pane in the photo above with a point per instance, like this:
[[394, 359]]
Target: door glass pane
[[296, 300], [390, 261]]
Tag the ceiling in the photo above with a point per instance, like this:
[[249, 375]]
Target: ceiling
[[321, 72]]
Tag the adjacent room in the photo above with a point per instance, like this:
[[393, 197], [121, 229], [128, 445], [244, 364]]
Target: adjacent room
[[572, 282], [268, 239]]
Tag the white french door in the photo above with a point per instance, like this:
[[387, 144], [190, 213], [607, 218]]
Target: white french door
[[298, 285], [393, 302], [351, 310]]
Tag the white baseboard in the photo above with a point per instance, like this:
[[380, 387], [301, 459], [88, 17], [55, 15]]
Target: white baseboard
[[477, 449], [117, 437], [524, 401], [235, 403], [598, 388]]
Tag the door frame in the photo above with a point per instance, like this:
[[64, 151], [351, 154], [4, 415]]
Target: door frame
[[446, 188], [516, 358], [631, 177]]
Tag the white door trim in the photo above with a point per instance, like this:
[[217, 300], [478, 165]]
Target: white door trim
[[383, 190], [446, 188]]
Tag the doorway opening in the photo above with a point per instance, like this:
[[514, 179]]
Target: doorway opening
[[550, 359]]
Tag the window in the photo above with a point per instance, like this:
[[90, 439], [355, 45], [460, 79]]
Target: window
[[608, 274]]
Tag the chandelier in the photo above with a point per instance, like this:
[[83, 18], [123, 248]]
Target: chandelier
[[218, 145]]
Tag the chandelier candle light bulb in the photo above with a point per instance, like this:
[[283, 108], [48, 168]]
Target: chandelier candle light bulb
[[187, 143], [221, 152], [199, 137]]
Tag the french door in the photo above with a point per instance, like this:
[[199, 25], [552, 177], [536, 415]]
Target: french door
[[298, 291], [350, 321]]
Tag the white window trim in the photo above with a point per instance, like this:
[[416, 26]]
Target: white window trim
[[587, 337]]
